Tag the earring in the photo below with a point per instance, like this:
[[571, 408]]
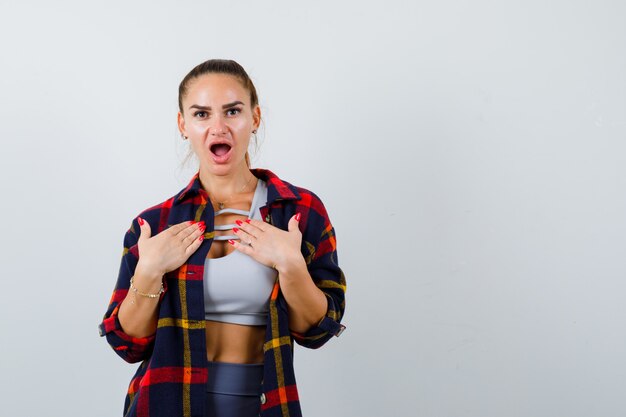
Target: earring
[[183, 137], [254, 131]]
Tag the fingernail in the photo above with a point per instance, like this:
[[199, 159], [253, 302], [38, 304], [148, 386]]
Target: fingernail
[[298, 217], [201, 238], [202, 228], [238, 222], [140, 221], [235, 230], [232, 242], [247, 220]]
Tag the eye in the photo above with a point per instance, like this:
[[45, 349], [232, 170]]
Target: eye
[[234, 109], [201, 114]]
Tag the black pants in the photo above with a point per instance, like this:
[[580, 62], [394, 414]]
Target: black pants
[[233, 389]]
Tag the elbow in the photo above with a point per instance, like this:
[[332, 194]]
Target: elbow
[[131, 349], [329, 326], [130, 356]]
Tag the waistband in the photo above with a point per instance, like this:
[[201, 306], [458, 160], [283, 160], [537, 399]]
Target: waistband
[[235, 378]]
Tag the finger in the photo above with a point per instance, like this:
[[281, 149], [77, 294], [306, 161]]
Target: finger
[[177, 228], [195, 232], [144, 229], [194, 245], [253, 223], [293, 223], [241, 247], [189, 231], [243, 235]]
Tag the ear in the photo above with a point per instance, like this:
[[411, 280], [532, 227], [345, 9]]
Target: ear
[[181, 124], [256, 116]]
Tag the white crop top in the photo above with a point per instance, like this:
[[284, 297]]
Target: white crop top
[[236, 287]]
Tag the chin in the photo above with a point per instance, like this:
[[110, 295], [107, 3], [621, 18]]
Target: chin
[[222, 169]]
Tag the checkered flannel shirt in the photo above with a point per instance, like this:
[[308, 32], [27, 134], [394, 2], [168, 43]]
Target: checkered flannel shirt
[[171, 379]]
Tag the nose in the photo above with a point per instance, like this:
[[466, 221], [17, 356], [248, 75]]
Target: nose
[[218, 126]]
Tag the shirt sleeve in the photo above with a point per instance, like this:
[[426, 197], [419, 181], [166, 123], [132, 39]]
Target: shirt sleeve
[[131, 349], [323, 266]]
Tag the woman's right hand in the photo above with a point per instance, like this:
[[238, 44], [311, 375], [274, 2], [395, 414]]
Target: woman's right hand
[[169, 249]]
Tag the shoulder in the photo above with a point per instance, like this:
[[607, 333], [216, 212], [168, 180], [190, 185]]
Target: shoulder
[[157, 210], [311, 201], [155, 215], [315, 222], [159, 214], [279, 189]]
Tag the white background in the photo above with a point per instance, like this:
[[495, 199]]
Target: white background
[[471, 155]]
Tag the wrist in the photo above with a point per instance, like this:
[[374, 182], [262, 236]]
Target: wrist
[[146, 274], [153, 295], [291, 264]]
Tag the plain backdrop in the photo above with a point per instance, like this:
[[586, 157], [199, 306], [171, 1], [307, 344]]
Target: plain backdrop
[[471, 155]]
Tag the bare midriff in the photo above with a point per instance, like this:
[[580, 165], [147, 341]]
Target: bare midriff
[[230, 342], [236, 343]]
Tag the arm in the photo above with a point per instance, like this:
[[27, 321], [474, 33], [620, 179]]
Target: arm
[[323, 268], [311, 282], [136, 344], [307, 304], [131, 320]]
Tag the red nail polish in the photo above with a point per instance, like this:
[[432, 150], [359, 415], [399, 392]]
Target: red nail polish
[[238, 222], [298, 217], [140, 220], [201, 238], [235, 230], [232, 242], [248, 221]]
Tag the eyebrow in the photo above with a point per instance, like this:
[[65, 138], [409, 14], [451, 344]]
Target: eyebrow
[[225, 106]]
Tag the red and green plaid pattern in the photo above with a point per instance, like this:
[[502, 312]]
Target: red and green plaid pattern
[[171, 379]]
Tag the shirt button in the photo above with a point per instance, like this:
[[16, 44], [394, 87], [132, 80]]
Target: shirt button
[[263, 398]]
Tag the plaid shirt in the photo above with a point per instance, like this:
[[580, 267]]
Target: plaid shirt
[[171, 379]]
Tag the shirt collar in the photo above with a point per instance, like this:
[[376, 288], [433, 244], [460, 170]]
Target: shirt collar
[[277, 189]]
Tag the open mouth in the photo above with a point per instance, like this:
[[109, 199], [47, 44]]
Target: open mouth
[[220, 149]]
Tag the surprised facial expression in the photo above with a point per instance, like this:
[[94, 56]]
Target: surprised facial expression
[[218, 121]]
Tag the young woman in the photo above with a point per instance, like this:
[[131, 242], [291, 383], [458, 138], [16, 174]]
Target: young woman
[[219, 280]]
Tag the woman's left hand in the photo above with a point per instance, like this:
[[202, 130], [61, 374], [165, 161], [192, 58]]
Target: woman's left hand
[[268, 244]]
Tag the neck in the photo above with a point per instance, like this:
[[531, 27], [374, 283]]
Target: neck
[[222, 186]]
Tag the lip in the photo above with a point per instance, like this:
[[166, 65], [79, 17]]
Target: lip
[[224, 158]]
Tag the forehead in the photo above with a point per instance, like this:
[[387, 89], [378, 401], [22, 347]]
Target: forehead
[[217, 88]]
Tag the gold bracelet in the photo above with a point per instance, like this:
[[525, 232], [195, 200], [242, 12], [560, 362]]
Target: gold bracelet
[[143, 294]]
